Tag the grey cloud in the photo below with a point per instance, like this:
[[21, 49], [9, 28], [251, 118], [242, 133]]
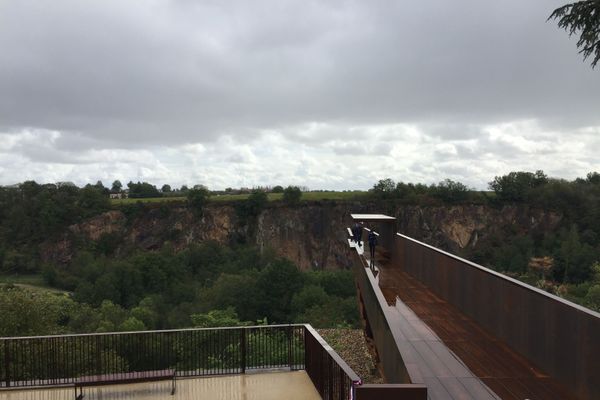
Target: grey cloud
[[176, 72], [301, 82], [348, 149]]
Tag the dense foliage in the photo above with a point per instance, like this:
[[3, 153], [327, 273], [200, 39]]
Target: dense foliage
[[142, 190], [157, 290], [209, 284], [292, 195], [197, 198], [447, 191], [32, 213]]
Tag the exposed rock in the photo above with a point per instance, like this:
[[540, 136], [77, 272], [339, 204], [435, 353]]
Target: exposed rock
[[94, 228], [311, 234]]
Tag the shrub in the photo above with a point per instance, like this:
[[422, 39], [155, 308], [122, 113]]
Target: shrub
[[292, 195]]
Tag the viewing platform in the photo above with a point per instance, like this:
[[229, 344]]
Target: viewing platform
[[274, 385], [466, 332], [248, 362]]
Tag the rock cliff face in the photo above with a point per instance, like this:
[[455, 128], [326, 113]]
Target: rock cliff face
[[458, 227], [312, 234]]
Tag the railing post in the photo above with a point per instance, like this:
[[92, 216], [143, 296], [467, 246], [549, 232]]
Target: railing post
[[98, 356], [290, 337], [243, 350], [306, 366], [6, 362]]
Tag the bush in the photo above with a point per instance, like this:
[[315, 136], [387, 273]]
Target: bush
[[197, 198], [252, 206], [292, 195], [450, 191]]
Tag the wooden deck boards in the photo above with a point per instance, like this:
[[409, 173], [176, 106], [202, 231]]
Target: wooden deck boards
[[457, 358]]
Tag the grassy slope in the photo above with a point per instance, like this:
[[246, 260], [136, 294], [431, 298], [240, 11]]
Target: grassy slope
[[32, 282]]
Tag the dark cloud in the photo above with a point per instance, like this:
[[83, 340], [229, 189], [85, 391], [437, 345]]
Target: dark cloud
[[336, 79]]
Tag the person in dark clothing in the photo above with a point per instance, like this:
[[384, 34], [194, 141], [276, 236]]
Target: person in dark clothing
[[355, 228], [372, 244], [359, 229]]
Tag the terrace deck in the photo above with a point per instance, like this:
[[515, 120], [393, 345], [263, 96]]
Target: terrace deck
[[448, 331], [294, 385]]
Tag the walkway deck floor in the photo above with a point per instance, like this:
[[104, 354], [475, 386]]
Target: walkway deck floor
[[294, 385], [504, 371]]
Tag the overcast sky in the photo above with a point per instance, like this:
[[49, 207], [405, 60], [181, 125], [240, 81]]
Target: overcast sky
[[324, 94]]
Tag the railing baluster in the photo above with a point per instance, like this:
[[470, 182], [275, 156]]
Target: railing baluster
[[7, 362], [243, 350]]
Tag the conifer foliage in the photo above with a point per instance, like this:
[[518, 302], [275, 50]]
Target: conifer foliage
[[582, 17]]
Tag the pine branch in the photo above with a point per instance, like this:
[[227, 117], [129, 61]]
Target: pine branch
[[582, 18]]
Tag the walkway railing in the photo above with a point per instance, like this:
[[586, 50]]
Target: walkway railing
[[559, 336], [61, 359]]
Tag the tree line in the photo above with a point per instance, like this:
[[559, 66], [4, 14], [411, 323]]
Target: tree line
[[157, 290], [564, 261]]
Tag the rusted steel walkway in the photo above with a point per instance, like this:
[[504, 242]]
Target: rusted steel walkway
[[459, 355]]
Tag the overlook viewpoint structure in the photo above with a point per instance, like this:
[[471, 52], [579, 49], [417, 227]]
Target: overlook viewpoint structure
[[465, 331]]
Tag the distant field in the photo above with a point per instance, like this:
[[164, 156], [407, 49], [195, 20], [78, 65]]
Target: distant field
[[271, 196], [31, 282], [147, 200]]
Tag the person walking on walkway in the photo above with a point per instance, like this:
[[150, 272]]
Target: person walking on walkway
[[355, 228], [372, 244], [358, 233]]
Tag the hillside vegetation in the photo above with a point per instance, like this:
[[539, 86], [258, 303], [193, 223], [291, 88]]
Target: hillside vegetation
[[206, 283]]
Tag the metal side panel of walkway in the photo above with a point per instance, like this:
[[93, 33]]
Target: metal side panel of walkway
[[457, 358]]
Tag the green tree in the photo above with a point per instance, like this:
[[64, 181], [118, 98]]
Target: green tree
[[235, 290], [92, 201], [26, 313], [516, 186], [592, 298], [131, 324], [248, 210], [198, 198], [335, 312], [166, 188], [583, 18], [384, 188], [277, 283], [277, 189], [292, 195], [142, 190], [450, 191], [593, 178], [116, 186], [217, 318], [256, 202], [308, 297], [146, 312]]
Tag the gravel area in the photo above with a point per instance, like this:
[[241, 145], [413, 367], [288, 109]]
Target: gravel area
[[351, 345]]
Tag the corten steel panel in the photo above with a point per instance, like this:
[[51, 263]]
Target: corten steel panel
[[391, 360], [589, 347], [543, 335], [561, 338]]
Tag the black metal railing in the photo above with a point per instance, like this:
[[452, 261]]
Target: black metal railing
[[61, 359], [332, 377]]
